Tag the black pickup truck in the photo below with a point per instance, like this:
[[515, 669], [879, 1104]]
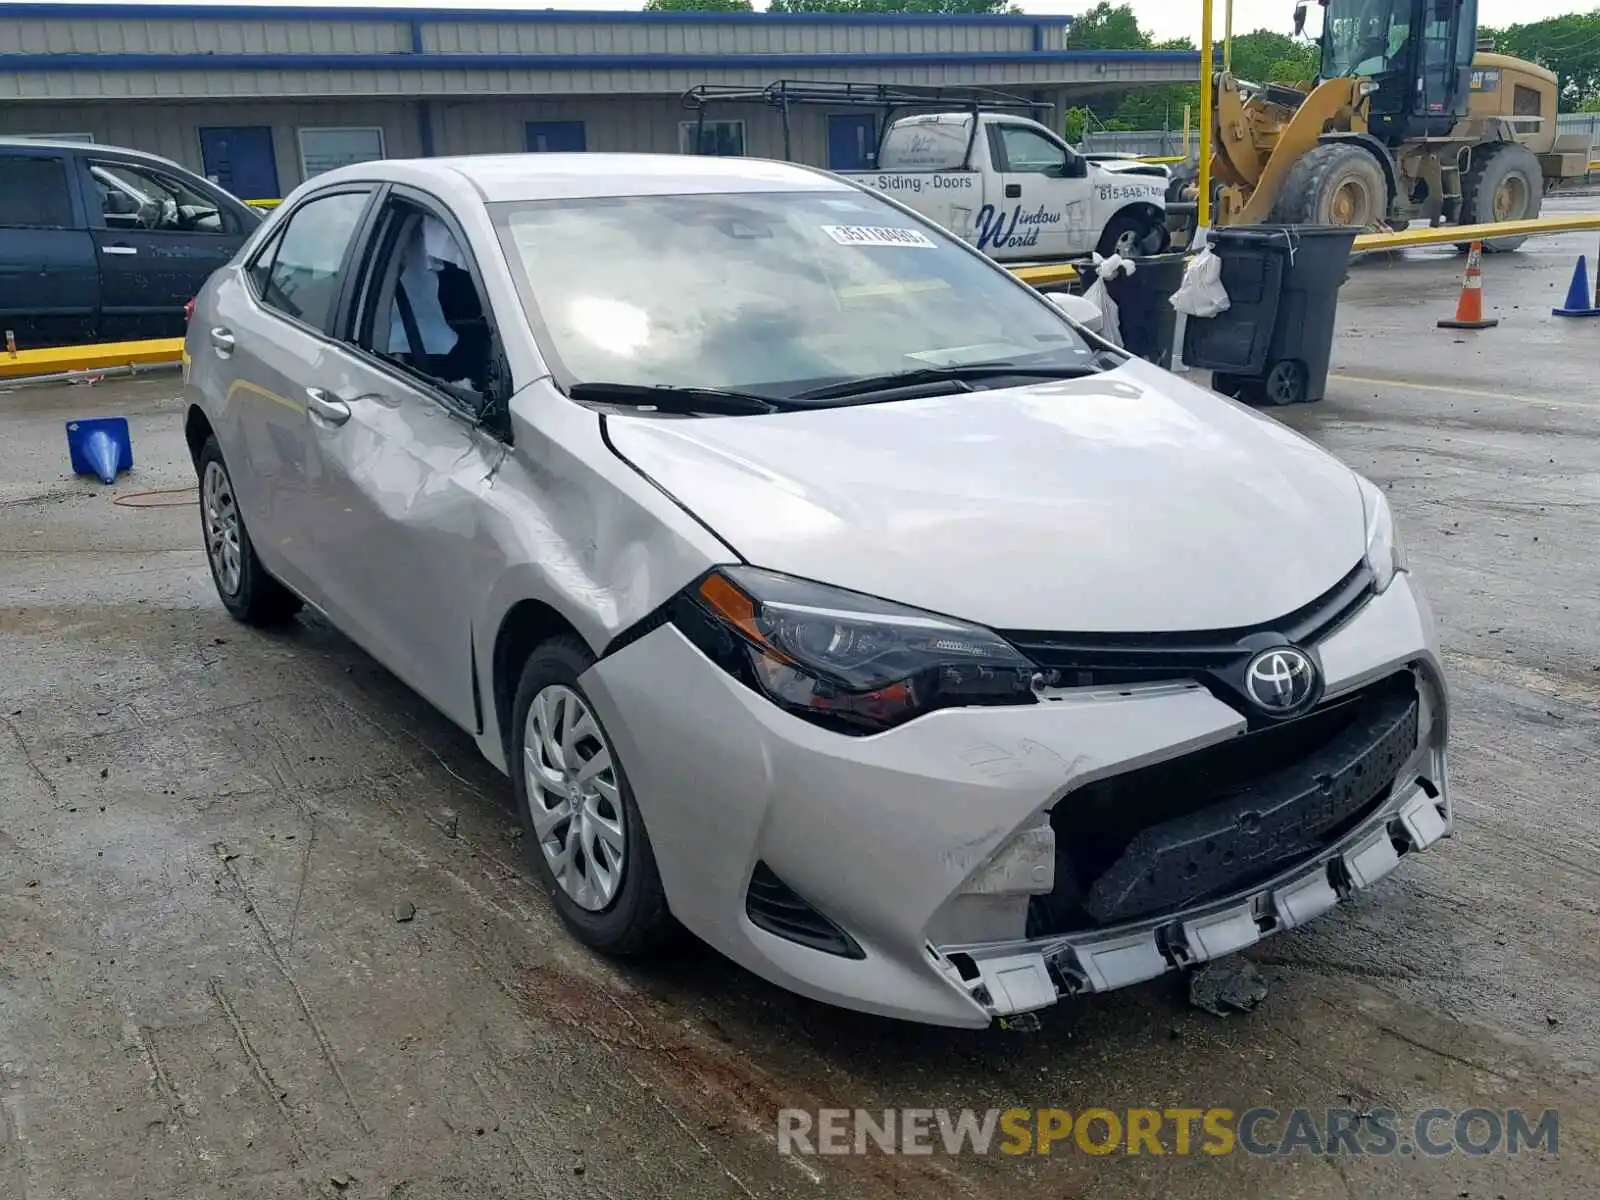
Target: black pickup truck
[[102, 244]]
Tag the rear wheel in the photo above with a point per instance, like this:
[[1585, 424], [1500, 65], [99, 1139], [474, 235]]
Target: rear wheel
[[243, 585], [1336, 184], [1504, 183]]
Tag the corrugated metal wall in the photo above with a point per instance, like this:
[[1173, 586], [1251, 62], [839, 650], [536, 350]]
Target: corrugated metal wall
[[462, 83], [173, 130], [887, 37], [132, 35], [645, 124], [243, 82], [392, 33]]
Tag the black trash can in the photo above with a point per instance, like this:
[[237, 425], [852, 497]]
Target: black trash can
[[1145, 316], [1273, 344]]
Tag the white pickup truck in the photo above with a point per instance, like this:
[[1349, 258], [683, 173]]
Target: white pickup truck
[[1016, 190]]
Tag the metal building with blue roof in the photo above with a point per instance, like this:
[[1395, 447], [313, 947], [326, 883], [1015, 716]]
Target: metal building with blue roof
[[259, 98]]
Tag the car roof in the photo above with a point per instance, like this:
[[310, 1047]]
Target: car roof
[[512, 177], [31, 143]]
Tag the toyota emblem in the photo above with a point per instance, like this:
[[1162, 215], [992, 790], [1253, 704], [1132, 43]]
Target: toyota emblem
[[1281, 681]]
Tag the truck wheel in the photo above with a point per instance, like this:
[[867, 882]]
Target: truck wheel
[[1504, 183], [1336, 184], [1127, 234]]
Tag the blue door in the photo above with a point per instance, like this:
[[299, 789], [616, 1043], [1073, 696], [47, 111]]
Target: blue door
[[554, 137], [241, 160], [852, 142]]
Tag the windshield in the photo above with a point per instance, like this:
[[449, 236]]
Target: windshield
[[770, 292], [1365, 37]]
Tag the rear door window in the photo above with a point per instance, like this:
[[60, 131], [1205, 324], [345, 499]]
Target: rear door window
[[33, 192], [306, 258]]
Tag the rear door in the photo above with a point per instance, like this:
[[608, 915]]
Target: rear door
[[49, 279], [267, 338], [159, 238]]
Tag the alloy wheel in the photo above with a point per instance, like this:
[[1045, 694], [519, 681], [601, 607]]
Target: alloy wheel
[[574, 797], [222, 528]]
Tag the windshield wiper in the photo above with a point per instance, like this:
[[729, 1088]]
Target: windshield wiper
[[668, 398], [969, 373]]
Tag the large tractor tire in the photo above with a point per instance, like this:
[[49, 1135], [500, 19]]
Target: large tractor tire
[[1504, 183], [1333, 184]]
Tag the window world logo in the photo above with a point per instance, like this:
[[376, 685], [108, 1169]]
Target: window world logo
[[1181, 1132]]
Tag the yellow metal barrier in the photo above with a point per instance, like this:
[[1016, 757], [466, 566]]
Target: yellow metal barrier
[[1449, 235], [58, 360], [263, 203]]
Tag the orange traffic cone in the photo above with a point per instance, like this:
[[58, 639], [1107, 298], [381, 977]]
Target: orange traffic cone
[[1469, 311]]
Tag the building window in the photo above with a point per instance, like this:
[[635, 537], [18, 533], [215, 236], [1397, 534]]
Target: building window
[[325, 149], [54, 137], [724, 139]]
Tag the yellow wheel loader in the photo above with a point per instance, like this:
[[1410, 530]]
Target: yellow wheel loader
[[1409, 121]]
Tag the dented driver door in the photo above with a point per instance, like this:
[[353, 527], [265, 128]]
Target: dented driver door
[[401, 482]]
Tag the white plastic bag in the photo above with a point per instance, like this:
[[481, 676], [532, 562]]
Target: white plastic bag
[[1104, 269], [1201, 294]]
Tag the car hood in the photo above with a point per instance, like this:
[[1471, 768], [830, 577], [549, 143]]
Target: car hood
[[1129, 501]]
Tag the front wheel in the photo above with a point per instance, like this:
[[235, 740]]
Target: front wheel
[[585, 838], [1132, 236], [1334, 184]]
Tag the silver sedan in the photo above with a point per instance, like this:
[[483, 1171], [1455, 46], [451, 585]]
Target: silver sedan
[[821, 588]]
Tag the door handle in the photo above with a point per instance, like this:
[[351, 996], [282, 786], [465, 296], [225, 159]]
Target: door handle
[[1013, 191], [118, 250], [222, 341], [323, 407]]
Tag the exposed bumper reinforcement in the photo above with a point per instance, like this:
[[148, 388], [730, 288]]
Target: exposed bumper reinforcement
[[1024, 976]]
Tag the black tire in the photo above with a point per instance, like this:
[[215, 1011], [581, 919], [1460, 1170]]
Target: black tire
[[1287, 382], [636, 922], [256, 598], [1125, 225], [1504, 183], [1336, 184]]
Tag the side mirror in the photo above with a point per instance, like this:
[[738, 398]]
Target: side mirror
[[1079, 309], [1299, 20], [1076, 167]]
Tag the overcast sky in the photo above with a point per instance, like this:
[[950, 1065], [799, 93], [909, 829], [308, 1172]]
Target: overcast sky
[[1168, 18]]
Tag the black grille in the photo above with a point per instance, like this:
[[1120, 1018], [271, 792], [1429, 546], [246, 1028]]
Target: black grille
[[1209, 823], [1216, 658], [773, 905]]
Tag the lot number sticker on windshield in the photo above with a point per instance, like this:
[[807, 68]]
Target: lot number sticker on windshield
[[878, 235]]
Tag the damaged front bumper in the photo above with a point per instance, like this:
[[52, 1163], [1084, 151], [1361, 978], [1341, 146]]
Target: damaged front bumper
[[913, 861], [1019, 977]]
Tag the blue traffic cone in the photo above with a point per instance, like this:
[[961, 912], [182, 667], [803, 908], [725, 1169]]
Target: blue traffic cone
[[1579, 303], [100, 447]]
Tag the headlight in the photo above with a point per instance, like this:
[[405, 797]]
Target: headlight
[[847, 661], [1384, 553]]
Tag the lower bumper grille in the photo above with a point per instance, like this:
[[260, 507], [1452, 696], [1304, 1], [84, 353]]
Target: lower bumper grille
[[1210, 823], [774, 906]]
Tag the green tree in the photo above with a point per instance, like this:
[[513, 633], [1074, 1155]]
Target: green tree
[[1568, 45], [697, 6], [1108, 26]]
